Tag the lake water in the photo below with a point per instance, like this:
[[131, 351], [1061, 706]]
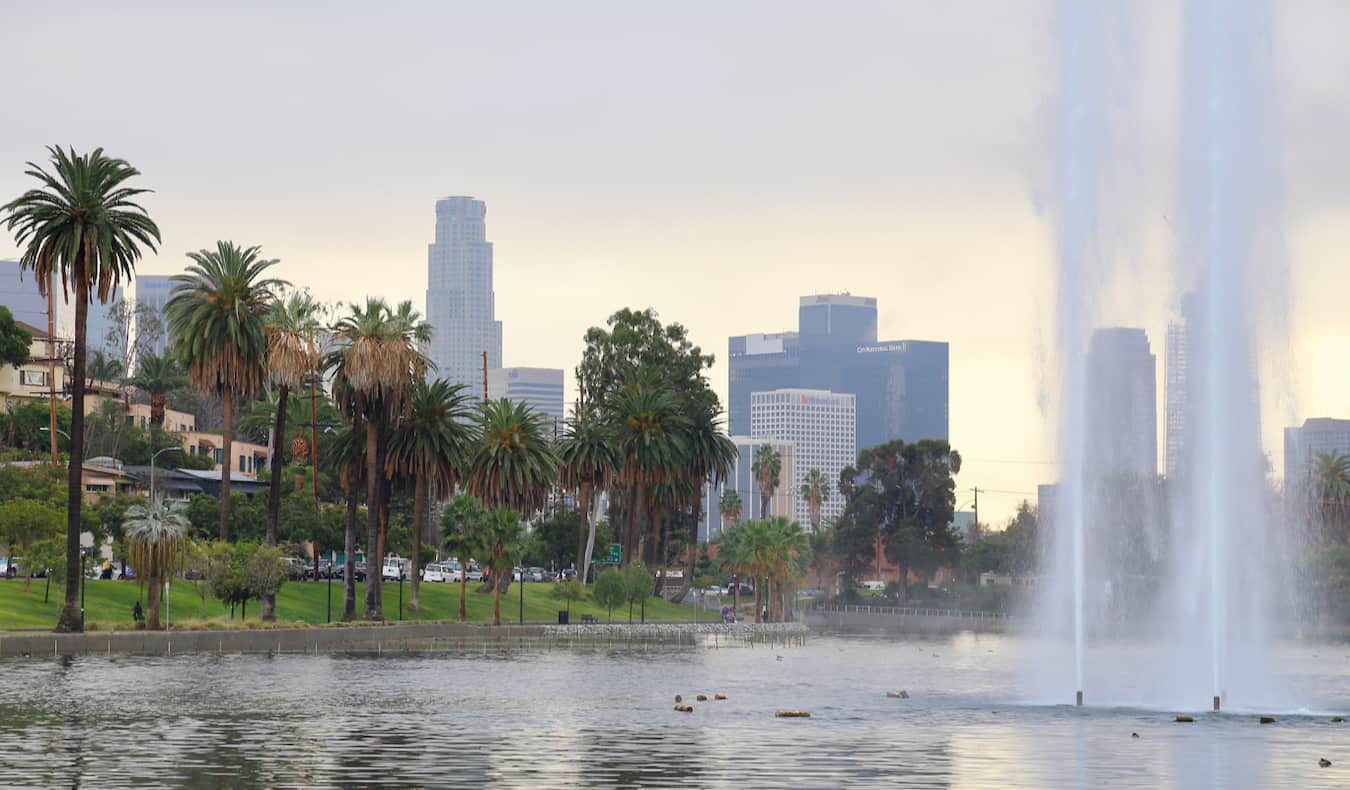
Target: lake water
[[603, 717]]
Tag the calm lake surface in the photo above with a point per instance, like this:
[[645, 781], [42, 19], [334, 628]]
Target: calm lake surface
[[600, 717]]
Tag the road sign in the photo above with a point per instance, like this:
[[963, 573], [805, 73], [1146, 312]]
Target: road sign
[[615, 554]]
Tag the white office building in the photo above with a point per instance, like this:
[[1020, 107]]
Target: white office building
[[541, 388], [460, 301], [742, 479], [823, 427]]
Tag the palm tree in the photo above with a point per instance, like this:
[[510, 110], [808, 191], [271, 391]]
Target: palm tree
[[158, 376], [767, 467], [376, 358], [217, 317], [465, 529], [730, 507], [1330, 478], [709, 457], [650, 446], [83, 225], [502, 531], [291, 324], [156, 536], [734, 554], [431, 444], [785, 554], [816, 491], [513, 465], [588, 461], [102, 368], [348, 455]]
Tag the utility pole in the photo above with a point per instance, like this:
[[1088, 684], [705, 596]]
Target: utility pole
[[485, 387], [51, 362], [976, 489]]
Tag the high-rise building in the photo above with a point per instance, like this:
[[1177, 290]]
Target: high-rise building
[[821, 425], [460, 301], [742, 479], [900, 386], [153, 291], [98, 324], [1303, 444], [1174, 398], [1121, 411], [19, 292], [541, 388]]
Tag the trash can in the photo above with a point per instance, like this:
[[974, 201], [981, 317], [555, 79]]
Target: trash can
[[562, 617]]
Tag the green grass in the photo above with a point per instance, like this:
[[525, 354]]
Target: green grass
[[108, 605]]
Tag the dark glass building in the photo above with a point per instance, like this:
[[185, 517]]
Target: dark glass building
[[901, 385]]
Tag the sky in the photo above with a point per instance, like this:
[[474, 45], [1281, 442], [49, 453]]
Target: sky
[[713, 160]]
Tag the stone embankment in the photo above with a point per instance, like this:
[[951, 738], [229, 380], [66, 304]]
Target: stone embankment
[[399, 638], [904, 620]]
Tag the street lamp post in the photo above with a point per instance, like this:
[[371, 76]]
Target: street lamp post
[[155, 455], [84, 574]]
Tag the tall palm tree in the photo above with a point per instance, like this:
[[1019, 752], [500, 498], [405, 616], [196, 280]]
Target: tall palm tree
[[513, 466], [816, 491], [156, 535], [431, 444], [102, 368], [83, 225], [767, 467], [785, 554], [291, 324], [217, 317], [588, 460], [730, 507], [348, 455], [1330, 478], [464, 526], [376, 358], [734, 554], [709, 457], [158, 376], [650, 446]]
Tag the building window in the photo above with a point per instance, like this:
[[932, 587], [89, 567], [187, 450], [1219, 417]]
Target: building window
[[241, 464], [218, 455], [33, 378]]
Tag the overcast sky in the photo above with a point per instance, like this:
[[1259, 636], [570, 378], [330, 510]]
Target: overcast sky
[[715, 162]]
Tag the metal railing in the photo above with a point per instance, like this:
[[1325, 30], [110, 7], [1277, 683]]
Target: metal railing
[[907, 611]]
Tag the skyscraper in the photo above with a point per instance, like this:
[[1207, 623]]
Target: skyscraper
[[822, 427], [153, 291], [1174, 398], [540, 388], [19, 292], [1303, 444], [1121, 404], [460, 300], [901, 386]]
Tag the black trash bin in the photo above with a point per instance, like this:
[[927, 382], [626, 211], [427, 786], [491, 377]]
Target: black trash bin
[[562, 617]]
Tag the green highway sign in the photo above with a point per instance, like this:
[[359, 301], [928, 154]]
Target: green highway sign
[[614, 555]]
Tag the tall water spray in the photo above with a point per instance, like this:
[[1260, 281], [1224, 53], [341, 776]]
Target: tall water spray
[[1202, 561]]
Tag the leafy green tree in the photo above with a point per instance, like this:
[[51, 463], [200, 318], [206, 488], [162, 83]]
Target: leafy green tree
[[24, 522], [905, 495], [155, 538], [376, 360], [217, 318], [157, 376], [27, 422], [552, 538], [464, 525], [15, 341], [81, 225], [264, 572], [567, 591], [48, 554], [767, 467], [637, 585], [611, 590], [103, 368], [431, 444]]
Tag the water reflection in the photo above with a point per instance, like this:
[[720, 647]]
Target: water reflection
[[603, 718]]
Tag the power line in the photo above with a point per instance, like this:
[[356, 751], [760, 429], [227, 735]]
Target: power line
[[964, 460]]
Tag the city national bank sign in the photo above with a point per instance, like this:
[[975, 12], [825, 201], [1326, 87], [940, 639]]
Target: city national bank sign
[[815, 400], [898, 348]]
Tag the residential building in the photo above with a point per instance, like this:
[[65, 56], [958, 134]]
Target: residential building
[[540, 388], [900, 386], [30, 380], [742, 480], [19, 292], [1121, 407], [460, 299], [822, 427], [1302, 445]]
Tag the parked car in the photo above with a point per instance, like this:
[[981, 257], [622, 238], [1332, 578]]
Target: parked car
[[395, 568], [326, 571], [536, 574], [295, 568], [567, 574], [435, 572]]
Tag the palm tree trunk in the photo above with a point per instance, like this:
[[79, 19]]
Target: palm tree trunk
[[226, 450], [693, 547], [463, 587], [497, 590], [419, 512], [735, 594], [759, 589], [583, 519], [637, 502], [152, 604], [349, 536], [70, 614], [267, 605], [374, 562], [157, 401], [592, 517]]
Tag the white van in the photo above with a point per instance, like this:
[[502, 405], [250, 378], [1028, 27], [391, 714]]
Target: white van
[[435, 572], [395, 568]]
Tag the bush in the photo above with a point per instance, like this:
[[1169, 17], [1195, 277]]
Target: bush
[[638, 584], [610, 590], [568, 591]]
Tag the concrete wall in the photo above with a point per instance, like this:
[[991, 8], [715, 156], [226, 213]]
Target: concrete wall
[[904, 621]]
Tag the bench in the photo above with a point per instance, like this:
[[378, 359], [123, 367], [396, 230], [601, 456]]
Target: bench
[[587, 619]]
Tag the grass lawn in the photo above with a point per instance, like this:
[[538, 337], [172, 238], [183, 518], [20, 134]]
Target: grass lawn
[[108, 604]]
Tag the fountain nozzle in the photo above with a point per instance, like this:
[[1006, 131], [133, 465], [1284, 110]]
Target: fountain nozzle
[[1080, 699], [1216, 702]]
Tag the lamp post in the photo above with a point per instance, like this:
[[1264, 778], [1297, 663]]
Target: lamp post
[[155, 455], [84, 574]]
